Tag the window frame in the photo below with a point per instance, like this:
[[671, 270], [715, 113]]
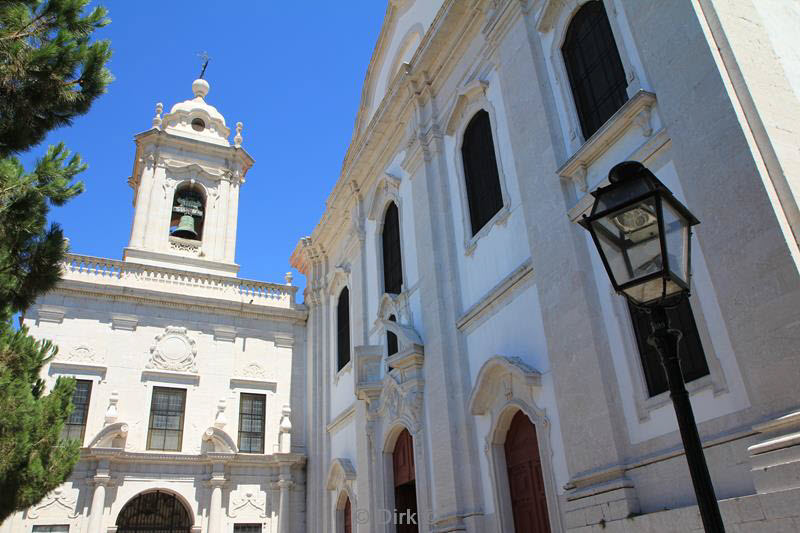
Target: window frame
[[585, 114], [645, 403], [477, 101], [150, 428], [242, 414], [67, 424], [552, 28], [653, 372]]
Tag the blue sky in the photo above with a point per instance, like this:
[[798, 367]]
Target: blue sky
[[290, 71]]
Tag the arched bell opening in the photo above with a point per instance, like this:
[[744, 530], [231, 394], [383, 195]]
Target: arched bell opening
[[154, 511], [188, 212]]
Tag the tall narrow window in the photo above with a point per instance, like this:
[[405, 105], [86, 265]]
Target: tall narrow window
[[75, 428], [165, 430], [392, 264], [343, 329], [252, 409], [480, 171], [690, 349], [594, 68]]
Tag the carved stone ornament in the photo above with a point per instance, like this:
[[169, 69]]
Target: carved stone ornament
[[82, 353], [241, 500], [173, 350], [254, 371], [56, 500]]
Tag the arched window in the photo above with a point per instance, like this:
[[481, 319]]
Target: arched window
[[480, 171], [343, 329], [595, 70], [154, 511], [525, 479], [392, 264], [405, 488], [188, 212]]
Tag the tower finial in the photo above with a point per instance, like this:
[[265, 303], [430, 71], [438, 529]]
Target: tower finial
[[204, 57]]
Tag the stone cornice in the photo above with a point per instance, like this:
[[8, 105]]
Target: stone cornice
[[635, 111], [120, 455]]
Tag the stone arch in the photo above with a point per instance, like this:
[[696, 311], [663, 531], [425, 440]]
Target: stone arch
[[220, 440], [341, 483], [107, 436], [181, 522], [190, 187], [504, 387]]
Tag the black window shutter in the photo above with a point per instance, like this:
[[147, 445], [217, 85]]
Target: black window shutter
[[343, 328], [594, 67], [480, 171], [392, 263], [690, 349]]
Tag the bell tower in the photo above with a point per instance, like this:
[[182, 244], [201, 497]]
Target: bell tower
[[186, 179]]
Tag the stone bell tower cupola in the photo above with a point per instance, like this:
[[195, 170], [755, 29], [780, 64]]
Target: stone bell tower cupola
[[186, 179]]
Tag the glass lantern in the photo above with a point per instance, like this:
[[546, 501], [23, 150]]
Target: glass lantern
[[643, 234]]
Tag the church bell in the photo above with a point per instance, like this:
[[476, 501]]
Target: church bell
[[185, 229]]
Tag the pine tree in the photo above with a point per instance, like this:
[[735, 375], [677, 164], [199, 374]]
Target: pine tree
[[49, 74]]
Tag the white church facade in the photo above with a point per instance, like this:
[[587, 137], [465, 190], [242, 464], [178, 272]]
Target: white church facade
[[460, 356]]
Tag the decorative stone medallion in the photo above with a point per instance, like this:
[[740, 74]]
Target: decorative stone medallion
[[173, 350]]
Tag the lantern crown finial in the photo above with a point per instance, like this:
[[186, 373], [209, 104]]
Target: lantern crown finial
[[625, 171]]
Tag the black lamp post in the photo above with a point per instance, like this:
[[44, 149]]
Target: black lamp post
[[643, 234]]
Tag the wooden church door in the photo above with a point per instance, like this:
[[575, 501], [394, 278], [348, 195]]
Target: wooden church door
[[405, 490], [526, 483], [348, 519]]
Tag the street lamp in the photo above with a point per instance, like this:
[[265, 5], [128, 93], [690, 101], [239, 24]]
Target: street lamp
[[643, 234]]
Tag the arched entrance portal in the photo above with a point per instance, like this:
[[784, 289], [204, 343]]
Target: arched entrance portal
[[154, 512], [405, 488], [526, 483]]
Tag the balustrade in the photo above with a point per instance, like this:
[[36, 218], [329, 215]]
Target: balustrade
[[120, 273]]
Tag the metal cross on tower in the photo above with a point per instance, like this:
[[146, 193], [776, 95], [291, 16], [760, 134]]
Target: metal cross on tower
[[204, 57]]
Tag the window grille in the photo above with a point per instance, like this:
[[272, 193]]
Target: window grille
[[247, 528], [252, 408], [165, 431], [482, 179], [152, 512], [594, 67], [75, 427]]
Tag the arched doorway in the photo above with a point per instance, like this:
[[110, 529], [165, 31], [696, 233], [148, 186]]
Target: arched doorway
[[405, 488], [526, 483], [154, 512], [347, 517]]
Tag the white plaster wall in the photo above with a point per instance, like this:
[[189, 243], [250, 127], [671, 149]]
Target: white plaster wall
[[343, 441], [414, 18], [125, 354], [516, 330]]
